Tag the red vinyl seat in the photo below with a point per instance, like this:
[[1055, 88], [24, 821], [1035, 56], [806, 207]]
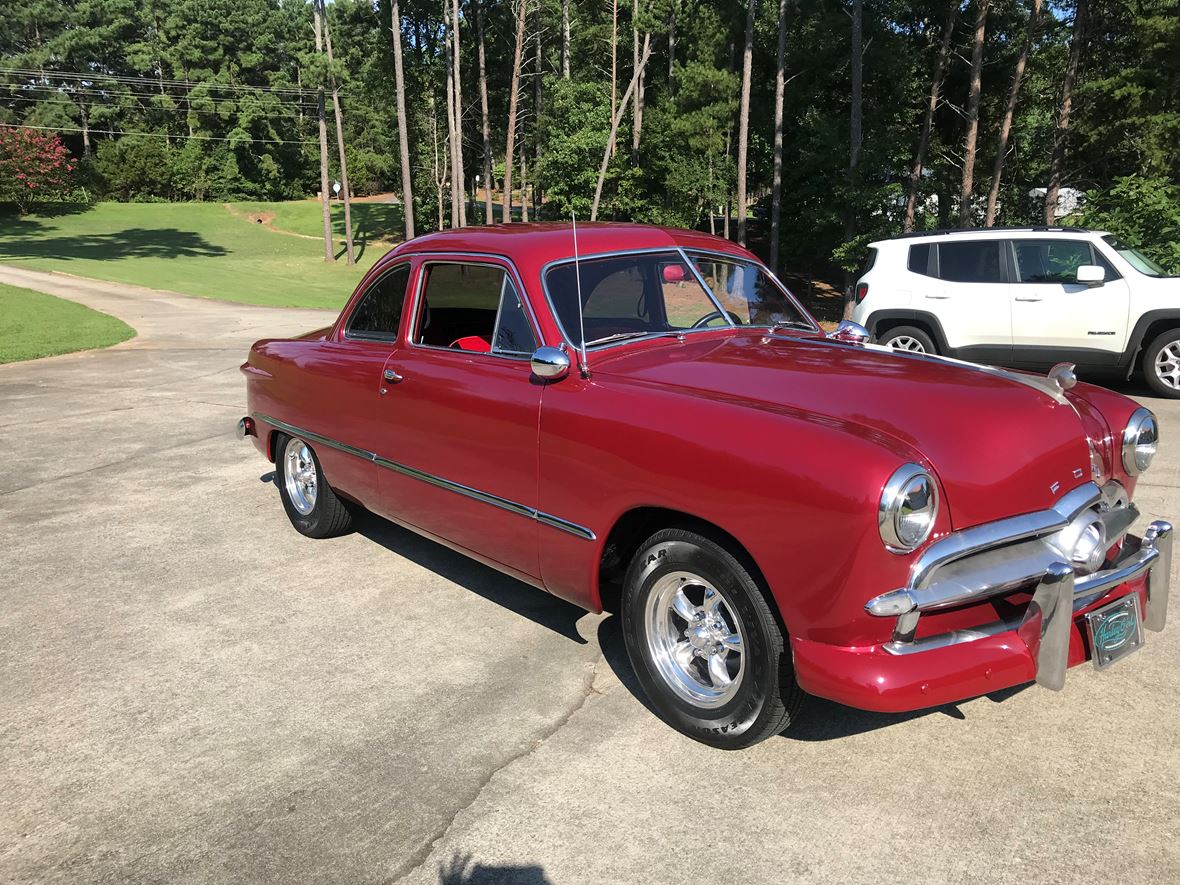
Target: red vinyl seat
[[473, 343]]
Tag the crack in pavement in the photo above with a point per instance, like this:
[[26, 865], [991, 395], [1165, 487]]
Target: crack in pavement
[[420, 857]]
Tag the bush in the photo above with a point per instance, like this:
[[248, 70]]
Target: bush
[[1143, 212], [137, 167], [34, 167]]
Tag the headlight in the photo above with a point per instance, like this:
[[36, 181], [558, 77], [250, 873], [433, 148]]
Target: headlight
[[1140, 440], [909, 505]]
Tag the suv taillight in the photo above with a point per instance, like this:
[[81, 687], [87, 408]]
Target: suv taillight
[[862, 289]]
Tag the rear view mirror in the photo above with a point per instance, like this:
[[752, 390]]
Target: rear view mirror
[[1091, 275]]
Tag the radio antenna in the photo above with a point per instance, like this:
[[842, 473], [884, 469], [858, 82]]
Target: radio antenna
[[584, 368]]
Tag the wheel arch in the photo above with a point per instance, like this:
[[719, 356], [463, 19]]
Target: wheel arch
[[881, 321], [637, 524], [1147, 327]]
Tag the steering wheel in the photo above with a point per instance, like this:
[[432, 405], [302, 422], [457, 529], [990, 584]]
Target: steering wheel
[[717, 315]]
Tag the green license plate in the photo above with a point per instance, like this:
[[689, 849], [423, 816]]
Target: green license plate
[[1115, 630]]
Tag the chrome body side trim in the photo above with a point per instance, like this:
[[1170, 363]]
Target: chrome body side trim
[[437, 481]]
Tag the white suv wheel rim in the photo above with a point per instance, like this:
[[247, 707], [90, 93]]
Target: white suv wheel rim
[[1167, 365], [905, 342]]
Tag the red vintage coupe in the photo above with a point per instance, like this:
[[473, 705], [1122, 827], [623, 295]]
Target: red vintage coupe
[[647, 418]]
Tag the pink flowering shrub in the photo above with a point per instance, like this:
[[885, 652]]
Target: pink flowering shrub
[[33, 166]]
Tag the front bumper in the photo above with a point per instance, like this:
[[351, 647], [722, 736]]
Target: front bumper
[[1021, 556]]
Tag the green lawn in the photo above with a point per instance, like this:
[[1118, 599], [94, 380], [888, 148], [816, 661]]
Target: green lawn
[[196, 248], [33, 324], [370, 221]]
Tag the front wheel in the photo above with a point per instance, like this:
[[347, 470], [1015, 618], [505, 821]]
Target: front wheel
[[704, 643], [312, 506], [909, 339], [1161, 364]]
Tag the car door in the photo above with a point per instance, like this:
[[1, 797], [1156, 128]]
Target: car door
[[340, 384], [970, 298], [459, 416], [1054, 317]]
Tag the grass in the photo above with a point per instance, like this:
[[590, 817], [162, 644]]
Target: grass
[[199, 249], [33, 324], [370, 221]]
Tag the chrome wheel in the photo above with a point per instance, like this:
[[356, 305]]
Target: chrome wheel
[[905, 342], [695, 639], [299, 476], [1167, 365]]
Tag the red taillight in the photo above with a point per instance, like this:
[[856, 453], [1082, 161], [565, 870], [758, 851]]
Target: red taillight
[[862, 289]]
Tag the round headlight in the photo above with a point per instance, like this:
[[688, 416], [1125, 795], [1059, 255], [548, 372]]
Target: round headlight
[[909, 505], [1140, 440]]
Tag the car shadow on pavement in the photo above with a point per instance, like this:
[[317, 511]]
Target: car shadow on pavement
[[461, 871], [821, 720], [538, 606]]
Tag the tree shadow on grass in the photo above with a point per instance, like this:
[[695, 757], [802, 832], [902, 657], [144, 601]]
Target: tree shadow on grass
[[31, 239]]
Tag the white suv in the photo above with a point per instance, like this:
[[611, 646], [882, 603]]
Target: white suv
[[1026, 298]]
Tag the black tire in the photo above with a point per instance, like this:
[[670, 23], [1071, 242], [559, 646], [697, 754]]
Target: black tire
[[1151, 372], [767, 698], [329, 516], [914, 334]]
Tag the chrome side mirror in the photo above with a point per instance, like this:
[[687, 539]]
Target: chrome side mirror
[[850, 333], [550, 363], [1091, 275]]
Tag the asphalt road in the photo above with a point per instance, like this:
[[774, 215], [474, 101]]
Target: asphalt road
[[192, 692]]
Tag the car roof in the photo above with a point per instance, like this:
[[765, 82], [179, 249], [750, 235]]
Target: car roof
[[1012, 232], [544, 242]]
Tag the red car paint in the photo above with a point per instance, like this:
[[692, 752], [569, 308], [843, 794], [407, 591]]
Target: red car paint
[[783, 442]]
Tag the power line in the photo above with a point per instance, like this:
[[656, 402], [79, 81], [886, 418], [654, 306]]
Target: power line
[[286, 112], [111, 93], [153, 81], [157, 134]]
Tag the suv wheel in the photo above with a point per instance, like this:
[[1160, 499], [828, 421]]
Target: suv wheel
[[910, 339], [1161, 364]]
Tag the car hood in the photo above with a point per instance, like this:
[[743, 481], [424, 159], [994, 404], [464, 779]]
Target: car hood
[[1001, 443]]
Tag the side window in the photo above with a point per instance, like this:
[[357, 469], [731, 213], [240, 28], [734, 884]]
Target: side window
[[379, 312], [1100, 260], [1050, 261], [920, 260], [471, 307], [971, 261]]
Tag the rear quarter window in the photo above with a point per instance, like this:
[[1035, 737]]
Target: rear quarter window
[[921, 260]]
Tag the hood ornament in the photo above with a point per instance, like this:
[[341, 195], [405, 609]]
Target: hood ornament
[[1063, 376]]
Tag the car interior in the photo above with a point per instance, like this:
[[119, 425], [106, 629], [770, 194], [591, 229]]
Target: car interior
[[472, 307]]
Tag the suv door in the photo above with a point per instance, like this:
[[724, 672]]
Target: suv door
[[970, 299], [1054, 317]]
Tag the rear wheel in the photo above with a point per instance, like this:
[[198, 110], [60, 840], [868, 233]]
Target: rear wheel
[[312, 506], [1161, 364], [910, 339], [704, 643]]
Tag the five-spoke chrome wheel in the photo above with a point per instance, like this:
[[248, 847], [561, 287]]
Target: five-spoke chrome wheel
[[905, 342], [695, 639], [299, 476], [1167, 365]]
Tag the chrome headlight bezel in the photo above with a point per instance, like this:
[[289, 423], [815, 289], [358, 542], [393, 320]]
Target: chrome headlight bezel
[[1142, 423], [899, 491]]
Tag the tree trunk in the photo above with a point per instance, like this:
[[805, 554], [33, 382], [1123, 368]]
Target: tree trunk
[[915, 178], [970, 142], [450, 75], [536, 191], [776, 197], [345, 193], [1057, 163], [329, 254], [483, 106], [402, 125], [855, 127], [637, 97], [614, 127], [457, 135], [614, 56], [513, 100], [565, 39], [84, 114], [744, 120], [993, 194], [524, 179], [440, 171], [672, 50]]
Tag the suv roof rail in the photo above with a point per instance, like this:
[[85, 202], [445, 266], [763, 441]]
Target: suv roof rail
[[989, 230]]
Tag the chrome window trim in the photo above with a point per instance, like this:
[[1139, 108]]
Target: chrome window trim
[[379, 338], [449, 485], [481, 258]]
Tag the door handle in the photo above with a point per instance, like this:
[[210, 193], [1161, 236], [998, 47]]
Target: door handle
[[1027, 298], [938, 297], [393, 377]]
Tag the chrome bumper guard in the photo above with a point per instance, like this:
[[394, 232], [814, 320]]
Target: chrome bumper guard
[[996, 558]]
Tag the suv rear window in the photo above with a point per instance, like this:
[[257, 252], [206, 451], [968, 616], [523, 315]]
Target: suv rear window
[[976, 261], [920, 260]]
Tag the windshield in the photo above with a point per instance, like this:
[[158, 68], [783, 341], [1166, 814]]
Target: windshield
[[749, 294], [1137, 259]]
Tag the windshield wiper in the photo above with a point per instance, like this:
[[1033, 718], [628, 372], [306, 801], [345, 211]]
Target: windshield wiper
[[620, 336], [791, 324]]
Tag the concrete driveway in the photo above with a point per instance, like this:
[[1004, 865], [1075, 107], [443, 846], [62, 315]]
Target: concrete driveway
[[192, 692]]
